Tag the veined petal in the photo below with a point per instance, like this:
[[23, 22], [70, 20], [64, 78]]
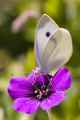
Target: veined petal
[[19, 87], [53, 100], [26, 105], [62, 79]]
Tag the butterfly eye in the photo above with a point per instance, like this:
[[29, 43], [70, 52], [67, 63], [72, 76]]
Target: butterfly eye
[[48, 34]]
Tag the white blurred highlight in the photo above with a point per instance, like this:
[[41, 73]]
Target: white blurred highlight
[[1, 114], [22, 19]]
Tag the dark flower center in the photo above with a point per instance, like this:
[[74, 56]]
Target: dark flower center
[[42, 91]]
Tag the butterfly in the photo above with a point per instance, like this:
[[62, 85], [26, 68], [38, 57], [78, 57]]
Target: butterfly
[[53, 45]]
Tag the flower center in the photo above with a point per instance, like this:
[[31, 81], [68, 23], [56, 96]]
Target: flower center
[[41, 92]]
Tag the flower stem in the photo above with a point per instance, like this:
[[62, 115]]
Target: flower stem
[[50, 116]]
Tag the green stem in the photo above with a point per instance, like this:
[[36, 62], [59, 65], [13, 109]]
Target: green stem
[[50, 116]]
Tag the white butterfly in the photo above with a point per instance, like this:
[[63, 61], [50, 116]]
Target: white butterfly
[[53, 45]]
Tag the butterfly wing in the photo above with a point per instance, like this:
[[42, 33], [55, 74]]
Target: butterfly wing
[[54, 50]]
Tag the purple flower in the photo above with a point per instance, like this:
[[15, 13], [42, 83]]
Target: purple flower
[[39, 90]]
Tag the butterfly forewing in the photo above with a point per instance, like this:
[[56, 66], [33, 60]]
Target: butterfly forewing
[[46, 24]]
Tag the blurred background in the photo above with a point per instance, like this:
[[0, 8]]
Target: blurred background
[[18, 19]]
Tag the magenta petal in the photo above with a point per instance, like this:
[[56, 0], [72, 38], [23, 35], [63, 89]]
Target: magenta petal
[[62, 80], [19, 87], [53, 100], [26, 105]]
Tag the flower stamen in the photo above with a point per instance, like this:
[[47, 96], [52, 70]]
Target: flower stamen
[[42, 92]]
